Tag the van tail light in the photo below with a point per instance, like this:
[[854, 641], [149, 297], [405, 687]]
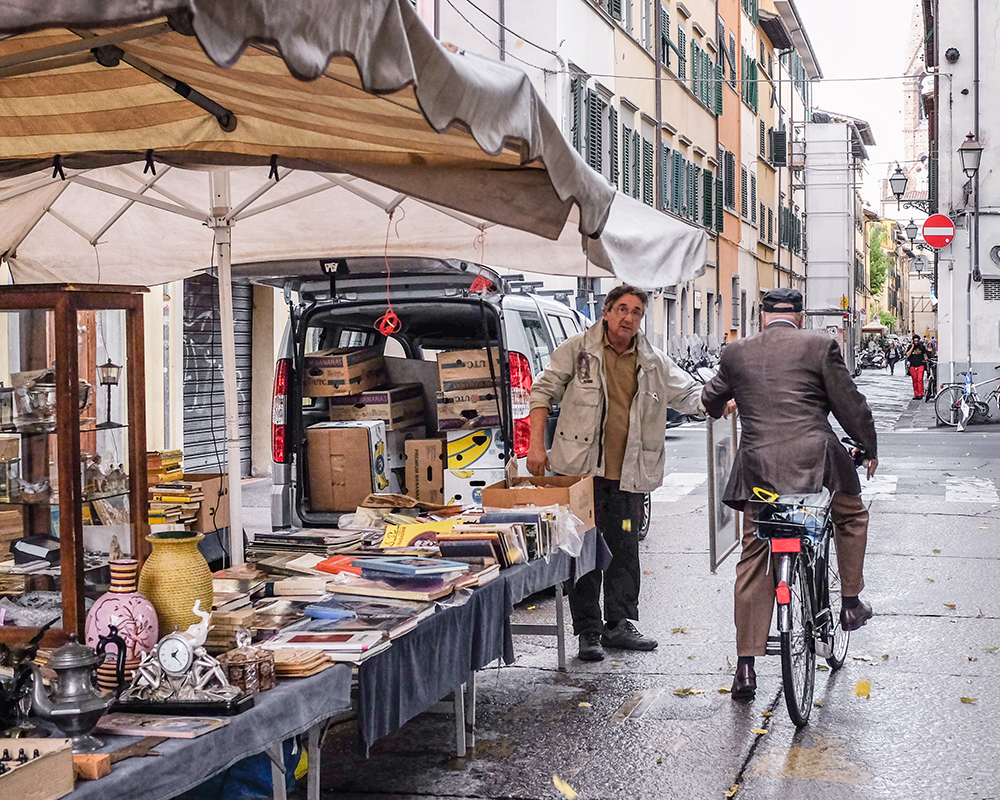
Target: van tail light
[[520, 390], [783, 593], [279, 412]]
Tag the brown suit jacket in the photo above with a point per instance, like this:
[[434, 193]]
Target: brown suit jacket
[[786, 382]]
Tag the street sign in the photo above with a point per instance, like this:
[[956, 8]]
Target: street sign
[[938, 231]]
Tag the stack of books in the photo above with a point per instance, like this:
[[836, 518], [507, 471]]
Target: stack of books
[[351, 646], [326, 542], [164, 465], [300, 663], [485, 544], [178, 499]]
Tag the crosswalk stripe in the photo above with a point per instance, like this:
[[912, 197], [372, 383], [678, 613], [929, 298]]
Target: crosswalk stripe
[[970, 490], [676, 485], [879, 484]]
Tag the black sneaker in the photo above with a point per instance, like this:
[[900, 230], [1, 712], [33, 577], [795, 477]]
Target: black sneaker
[[626, 636], [590, 647]]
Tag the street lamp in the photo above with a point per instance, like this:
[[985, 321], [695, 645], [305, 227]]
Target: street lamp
[[911, 230], [970, 152], [108, 374], [897, 183], [918, 265]]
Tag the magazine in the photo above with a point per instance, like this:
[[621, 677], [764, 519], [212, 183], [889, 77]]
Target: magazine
[[158, 725]]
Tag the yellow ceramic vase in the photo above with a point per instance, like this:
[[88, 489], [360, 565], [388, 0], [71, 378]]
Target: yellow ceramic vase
[[173, 577]]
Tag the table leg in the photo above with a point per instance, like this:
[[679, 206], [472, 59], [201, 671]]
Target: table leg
[[560, 628], [460, 747], [470, 711], [313, 754], [276, 752]]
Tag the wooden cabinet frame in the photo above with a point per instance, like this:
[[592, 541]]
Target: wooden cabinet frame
[[66, 300]]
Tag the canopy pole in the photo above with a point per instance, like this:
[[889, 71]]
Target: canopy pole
[[221, 229]]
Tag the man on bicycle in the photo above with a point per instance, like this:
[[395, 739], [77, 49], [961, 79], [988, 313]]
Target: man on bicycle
[[785, 382]]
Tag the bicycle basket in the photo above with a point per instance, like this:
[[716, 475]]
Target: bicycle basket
[[791, 515]]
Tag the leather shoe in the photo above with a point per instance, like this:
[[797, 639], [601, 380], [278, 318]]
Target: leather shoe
[[590, 647], [853, 618], [745, 683]]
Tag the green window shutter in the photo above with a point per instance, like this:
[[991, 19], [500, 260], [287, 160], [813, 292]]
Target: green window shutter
[[708, 192], [730, 180], [763, 140], [695, 69], [636, 164], [753, 199], [707, 76], [595, 131], [676, 182], [626, 159], [744, 194], [720, 215], [681, 53], [695, 192], [664, 36], [720, 76], [754, 83], [665, 176], [615, 8], [648, 164], [576, 95], [613, 144]]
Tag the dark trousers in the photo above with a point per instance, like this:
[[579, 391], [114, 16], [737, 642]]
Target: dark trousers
[[619, 517]]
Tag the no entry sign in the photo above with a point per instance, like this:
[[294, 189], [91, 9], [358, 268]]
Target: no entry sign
[[938, 231]]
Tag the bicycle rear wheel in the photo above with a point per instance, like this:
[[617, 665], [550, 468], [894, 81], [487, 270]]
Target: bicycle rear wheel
[[839, 638], [798, 653], [948, 405]]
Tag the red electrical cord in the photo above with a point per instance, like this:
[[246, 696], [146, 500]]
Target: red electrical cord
[[389, 323]]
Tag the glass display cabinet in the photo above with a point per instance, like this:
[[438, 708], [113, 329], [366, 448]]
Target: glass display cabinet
[[72, 442]]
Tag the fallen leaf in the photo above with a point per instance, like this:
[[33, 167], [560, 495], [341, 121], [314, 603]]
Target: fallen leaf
[[688, 691], [863, 688], [968, 699], [531, 608], [948, 474], [822, 667], [724, 690], [647, 572], [616, 663], [982, 527], [679, 630], [949, 605], [936, 550], [692, 658], [731, 792], [659, 760], [930, 580], [885, 656], [567, 791], [767, 714], [973, 658], [990, 649], [585, 705], [861, 658], [758, 731], [818, 703]]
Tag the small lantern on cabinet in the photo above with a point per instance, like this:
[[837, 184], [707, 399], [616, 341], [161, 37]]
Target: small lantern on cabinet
[[108, 374]]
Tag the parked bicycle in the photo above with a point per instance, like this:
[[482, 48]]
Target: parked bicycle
[[800, 531], [930, 379], [959, 403]]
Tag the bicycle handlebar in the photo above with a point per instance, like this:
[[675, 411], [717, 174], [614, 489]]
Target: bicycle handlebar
[[858, 451]]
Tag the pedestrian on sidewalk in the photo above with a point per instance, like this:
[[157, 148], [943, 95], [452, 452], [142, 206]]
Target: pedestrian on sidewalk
[[785, 382], [613, 389], [916, 358], [892, 356]]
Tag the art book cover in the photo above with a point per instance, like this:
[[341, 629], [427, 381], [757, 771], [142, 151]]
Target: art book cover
[[352, 641], [158, 725], [402, 589], [413, 565]]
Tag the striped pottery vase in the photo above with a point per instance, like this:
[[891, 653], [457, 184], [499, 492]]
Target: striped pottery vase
[[174, 576], [130, 613]]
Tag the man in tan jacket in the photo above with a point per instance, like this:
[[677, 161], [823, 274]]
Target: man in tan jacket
[[613, 389], [785, 383]]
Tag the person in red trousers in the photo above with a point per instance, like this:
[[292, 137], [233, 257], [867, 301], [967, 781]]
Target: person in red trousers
[[916, 357]]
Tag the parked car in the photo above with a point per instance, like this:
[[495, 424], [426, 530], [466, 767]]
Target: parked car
[[337, 303]]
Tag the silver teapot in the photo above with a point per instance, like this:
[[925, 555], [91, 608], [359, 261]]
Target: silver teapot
[[75, 704]]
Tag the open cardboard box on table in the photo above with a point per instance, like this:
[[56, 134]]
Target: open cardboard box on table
[[575, 491]]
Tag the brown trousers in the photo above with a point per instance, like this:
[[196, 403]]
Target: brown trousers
[[754, 593]]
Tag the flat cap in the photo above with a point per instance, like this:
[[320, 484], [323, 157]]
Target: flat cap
[[783, 300]]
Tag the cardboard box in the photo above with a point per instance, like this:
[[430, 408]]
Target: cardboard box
[[342, 371], [47, 777], [575, 491], [10, 447], [213, 513], [339, 476], [396, 406], [425, 469], [464, 487], [481, 449], [462, 370], [395, 455], [468, 410]]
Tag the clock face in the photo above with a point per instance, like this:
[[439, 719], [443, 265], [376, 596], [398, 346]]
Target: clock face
[[174, 654]]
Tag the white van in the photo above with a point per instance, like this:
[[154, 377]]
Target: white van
[[441, 305]]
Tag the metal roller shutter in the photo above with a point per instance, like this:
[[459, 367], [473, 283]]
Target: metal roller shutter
[[204, 401]]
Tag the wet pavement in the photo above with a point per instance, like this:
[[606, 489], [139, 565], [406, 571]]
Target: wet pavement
[[655, 725]]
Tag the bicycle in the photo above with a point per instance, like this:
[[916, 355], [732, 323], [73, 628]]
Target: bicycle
[[930, 379], [800, 531], [949, 401]]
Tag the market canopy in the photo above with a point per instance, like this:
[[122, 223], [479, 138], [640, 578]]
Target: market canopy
[[90, 84]]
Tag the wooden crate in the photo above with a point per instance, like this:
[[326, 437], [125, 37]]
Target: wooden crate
[[47, 777]]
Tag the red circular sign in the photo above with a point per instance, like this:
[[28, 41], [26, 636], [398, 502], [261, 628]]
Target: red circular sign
[[938, 231]]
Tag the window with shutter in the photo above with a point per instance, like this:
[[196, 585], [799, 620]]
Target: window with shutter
[[753, 84], [753, 199], [576, 112], [732, 59], [626, 159], [708, 192], [636, 165], [730, 180], [736, 301], [779, 148], [744, 194], [615, 8], [664, 176], [595, 130], [677, 184], [720, 35], [762, 51], [763, 140], [613, 144], [770, 226], [664, 36], [695, 69], [647, 172], [681, 53], [720, 215], [720, 76], [695, 214]]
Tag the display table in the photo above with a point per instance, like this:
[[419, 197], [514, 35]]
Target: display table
[[292, 707]]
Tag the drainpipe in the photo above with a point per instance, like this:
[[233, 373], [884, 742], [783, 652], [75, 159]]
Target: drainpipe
[[502, 14], [974, 275]]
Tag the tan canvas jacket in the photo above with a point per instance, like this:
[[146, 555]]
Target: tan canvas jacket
[[575, 379]]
